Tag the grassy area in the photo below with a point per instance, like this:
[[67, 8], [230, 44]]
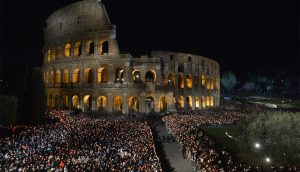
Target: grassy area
[[280, 102], [219, 134]]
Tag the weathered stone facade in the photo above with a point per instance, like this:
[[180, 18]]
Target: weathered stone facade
[[84, 69]]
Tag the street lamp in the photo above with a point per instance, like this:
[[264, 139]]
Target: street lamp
[[257, 145], [267, 159]]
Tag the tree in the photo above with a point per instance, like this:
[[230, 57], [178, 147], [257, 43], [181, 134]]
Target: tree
[[248, 87], [228, 81], [38, 98]]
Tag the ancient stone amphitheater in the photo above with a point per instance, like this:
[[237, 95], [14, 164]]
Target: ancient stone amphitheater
[[84, 69]]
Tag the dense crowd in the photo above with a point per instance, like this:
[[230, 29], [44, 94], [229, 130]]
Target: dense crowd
[[75, 143], [200, 148]]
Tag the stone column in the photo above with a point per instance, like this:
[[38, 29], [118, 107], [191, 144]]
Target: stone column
[[109, 102], [125, 103], [142, 107], [127, 73], [110, 73], [94, 102]]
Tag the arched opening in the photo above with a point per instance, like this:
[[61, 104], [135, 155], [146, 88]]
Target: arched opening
[[203, 80], [65, 101], [75, 102], [51, 77], [88, 76], [203, 102], [101, 103], [46, 77], [196, 81], [117, 104], [67, 50], [87, 103], [150, 76], [136, 75], [133, 104], [66, 76], [163, 105], [104, 48], [212, 83], [180, 102], [102, 75], [49, 55], [57, 77], [197, 103], [119, 75], [77, 49], [171, 79], [57, 101], [76, 76], [59, 53], [53, 55], [207, 101], [189, 101], [207, 83], [89, 48], [150, 102], [189, 81], [212, 101], [180, 81]]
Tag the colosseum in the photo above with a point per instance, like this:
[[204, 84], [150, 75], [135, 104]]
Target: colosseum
[[84, 69]]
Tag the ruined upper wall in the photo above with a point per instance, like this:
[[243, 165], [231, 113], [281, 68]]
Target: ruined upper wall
[[78, 18]]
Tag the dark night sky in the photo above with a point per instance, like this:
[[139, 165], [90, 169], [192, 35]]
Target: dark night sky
[[241, 35]]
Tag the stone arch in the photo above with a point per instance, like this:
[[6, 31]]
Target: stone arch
[[189, 101], [67, 50], [59, 53], [171, 79], [197, 102], [150, 76], [66, 76], [53, 55], [104, 48], [76, 76], [180, 102], [48, 55], [46, 77], [189, 81], [57, 76], [136, 75], [102, 75], [203, 80], [87, 102], [89, 47], [75, 102], [51, 77], [212, 101], [77, 49], [180, 81], [196, 80], [119, 75], [133, 104], [101, 103], [117, 103], [88, 76], [150, 103], [207, 101], [163, 104], [208, 83], [203, 101], [65, 101]]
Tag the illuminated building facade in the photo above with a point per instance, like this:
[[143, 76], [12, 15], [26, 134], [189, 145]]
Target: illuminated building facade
[[84, 69]]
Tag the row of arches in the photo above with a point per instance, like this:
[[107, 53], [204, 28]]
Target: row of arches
[[77, 49], [206, 101]]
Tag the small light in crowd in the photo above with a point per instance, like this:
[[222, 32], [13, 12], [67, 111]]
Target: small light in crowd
[[268, 159], [257, 145], [137, 76]]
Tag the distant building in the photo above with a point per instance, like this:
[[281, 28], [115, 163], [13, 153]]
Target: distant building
[[84, 69]]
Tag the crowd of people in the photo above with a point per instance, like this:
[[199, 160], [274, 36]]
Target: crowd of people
[[200, 148], [74, 143]]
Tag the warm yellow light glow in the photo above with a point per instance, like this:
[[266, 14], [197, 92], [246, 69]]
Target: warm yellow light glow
[[89, 47], [101, 103], [57, 77], [189, 81], [65, 100], [53, 55], [203, 80], [163, 104], [181, 81], [207, 83], [207, 101], [87, 102], [203, 102], [212, 101], [68, 50], [88, 75], [189, 101], [49, 55], [66, 76], [77, 49], [181, 101], [197, 104], [117, 104], [133, 104], [212, 83], [51, 77], [59, 53], [75, 102], [171, 79], [102, 75], [76, 76]]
